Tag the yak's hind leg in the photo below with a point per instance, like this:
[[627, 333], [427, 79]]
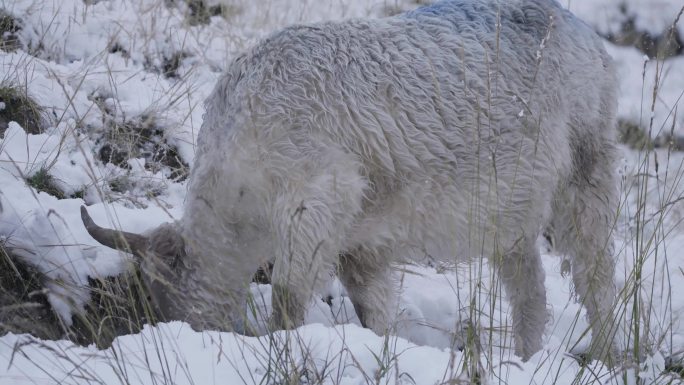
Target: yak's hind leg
[[583, 223], [367, 277], [522, 274]]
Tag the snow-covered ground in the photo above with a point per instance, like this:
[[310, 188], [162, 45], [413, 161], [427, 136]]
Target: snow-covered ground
[[653, 16], [94, 67]]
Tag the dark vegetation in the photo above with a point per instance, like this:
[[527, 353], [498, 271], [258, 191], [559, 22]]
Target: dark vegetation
[[23, 304], [9, 28], [17, 106], [42, 181], [118, 306], [634, 136], [140, 137], [200, 12], [666, 44]]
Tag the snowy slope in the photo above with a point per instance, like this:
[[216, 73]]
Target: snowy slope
[[97, 66]]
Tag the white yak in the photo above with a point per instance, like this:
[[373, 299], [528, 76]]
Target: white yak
[[455, 131]]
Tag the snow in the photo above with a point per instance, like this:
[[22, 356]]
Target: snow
[[639, 77], [653, 16], [88, 63]]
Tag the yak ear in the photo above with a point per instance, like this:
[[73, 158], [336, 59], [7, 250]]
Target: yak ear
[[167, 243], [119, 240]]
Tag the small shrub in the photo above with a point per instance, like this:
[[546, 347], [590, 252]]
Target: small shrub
[[17, 106]]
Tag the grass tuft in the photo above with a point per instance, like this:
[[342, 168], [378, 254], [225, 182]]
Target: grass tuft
[[42, 181], [23, 305], [171, 64], [118, 306], [142, 137], [17, 106], [675, 366]]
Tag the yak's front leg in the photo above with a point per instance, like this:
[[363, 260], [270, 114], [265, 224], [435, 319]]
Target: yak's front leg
[[305, 247], [309, 228], [366, 275]]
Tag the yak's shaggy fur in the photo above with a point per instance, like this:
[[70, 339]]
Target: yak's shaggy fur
[[455, 131]]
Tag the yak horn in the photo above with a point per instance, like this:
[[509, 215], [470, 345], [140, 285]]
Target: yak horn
[[119, 240]]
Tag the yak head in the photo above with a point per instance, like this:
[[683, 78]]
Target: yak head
[[160, 256], [177, 286]]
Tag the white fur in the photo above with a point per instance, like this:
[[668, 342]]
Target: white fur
[[456, 131]]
